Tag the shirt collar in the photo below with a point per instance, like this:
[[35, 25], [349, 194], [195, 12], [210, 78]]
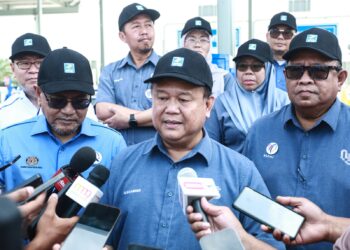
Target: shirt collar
[[153, 58], [330, 117], [202, 149]]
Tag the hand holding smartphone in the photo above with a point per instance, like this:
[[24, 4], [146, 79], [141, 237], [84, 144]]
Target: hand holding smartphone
[[268, 212]]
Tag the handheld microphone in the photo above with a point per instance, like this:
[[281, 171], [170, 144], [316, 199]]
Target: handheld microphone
[[82, 192], [80, 161], [192, 189]]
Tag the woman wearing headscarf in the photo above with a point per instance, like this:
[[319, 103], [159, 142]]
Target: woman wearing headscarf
[[254, 94], [196, 36]]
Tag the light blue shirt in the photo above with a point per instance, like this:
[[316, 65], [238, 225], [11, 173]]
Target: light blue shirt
[[41, 152], [313, 164], [143, 184], [123, 84], [280, 78]]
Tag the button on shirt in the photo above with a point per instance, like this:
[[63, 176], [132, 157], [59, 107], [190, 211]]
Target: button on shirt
[[313, 164], [123, 84], [42, 153], [143, 184]]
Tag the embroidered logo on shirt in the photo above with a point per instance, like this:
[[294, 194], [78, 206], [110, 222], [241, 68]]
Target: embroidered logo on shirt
[[98, 158], [345, 156], [271, 149], [118, 80], [148, 93], [131, 191], [32, 160]]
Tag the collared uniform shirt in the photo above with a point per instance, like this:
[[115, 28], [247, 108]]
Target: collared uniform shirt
[[280, 78], [42, 153], [143, 184], [123, 84], [314, 164], [18, 108]]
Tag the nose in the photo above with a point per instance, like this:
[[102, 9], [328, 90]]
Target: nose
[[172, 107], [305, 78], [68, 109]]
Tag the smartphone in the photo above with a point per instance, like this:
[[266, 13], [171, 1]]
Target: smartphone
[[269, 212], [34, 181], [93, 228]]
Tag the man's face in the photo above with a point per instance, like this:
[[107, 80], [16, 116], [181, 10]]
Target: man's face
[[139, 34], [179, 112], [250, 73], [279, 38], [25, 69], [64, 122], [199, 41], [309, 92]]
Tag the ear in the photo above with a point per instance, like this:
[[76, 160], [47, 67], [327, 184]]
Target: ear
[[12, 65], [342, 75], [122, 36], [209, 103], [37, 94]]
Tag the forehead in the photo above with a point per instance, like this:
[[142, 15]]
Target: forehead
[[197, 32], [140, 18], [250, 59], [308, 56], [28, 56], [281, 27]]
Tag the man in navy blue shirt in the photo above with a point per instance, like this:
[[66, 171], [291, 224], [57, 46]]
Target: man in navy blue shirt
[[123, 101], [143, 180], [304, 148]]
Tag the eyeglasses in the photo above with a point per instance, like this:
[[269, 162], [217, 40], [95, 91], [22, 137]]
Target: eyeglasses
[[56, 102], [201, 41], [316, 72], [255, 67], [287, 34], [25, 65]]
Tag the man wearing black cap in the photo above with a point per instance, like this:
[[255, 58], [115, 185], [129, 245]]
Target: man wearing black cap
[[123, 101], [28, 51], [307, 152], [281, 30], [48, 141], [143, 181], [196, 36]]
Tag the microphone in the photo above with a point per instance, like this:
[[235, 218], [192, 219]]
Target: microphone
[[222, 240], [80, 161], [82, 192], [192, 189], [10, 225]]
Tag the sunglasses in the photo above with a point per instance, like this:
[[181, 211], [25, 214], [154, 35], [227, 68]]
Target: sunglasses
[[316, 72], [287, 34], [56, 102], [255, 67]]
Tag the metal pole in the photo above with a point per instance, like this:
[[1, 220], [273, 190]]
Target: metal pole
[[250, 22], [38, 16], [102, 36], [225, 30]]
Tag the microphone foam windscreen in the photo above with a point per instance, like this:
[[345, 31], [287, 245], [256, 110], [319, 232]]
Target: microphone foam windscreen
[[187, 172], [98, 176], [82, 159]]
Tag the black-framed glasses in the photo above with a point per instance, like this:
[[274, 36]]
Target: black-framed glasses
[[316, 72], [255, 67], [25, 65], [275, 33], [57, 102]]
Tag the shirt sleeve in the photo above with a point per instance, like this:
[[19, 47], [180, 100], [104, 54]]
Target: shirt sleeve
[[343, 242], [106, 89]]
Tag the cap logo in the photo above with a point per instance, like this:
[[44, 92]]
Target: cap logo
[[198, 23], [28, 42], [177, 61], [69, 68], [252, 46], [139, 7], [283, 18], [311, 38]]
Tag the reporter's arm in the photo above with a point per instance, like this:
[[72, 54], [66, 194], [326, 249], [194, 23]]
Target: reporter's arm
[[221, 217]]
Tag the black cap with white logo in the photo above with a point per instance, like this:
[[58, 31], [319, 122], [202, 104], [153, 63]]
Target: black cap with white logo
[[30, 43]]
